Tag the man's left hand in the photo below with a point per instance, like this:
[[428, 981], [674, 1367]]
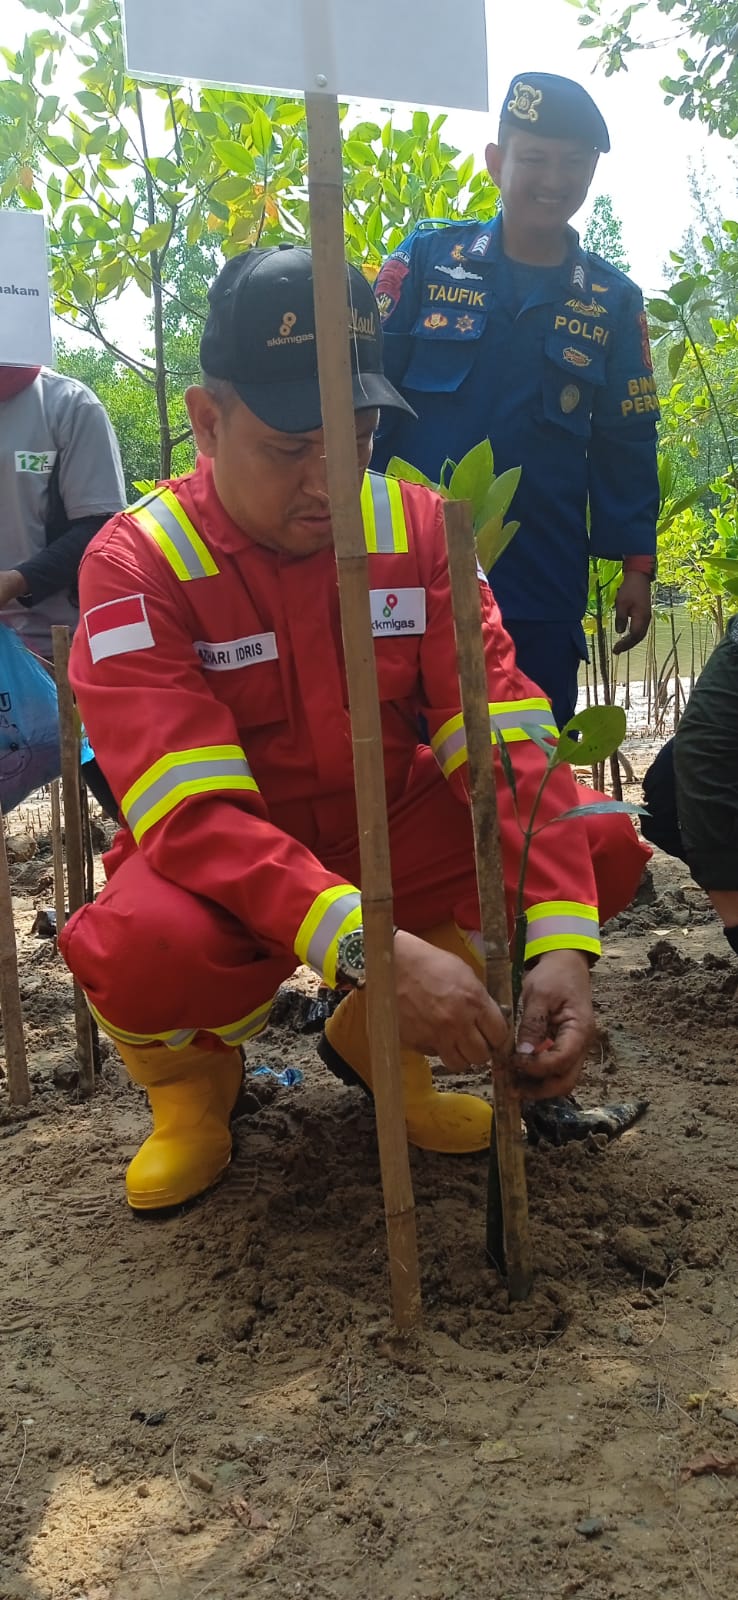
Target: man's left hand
[[556, 1025], [632, 610]]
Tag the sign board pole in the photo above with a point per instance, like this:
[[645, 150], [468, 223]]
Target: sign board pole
[[325, 188], [509, 1169]]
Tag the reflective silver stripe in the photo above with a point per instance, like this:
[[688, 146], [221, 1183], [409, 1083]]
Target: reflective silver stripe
[[236, 1032], [450, 747], [162, 514], [523, 719], [551, 927], [502, 722], [183, 774], [328, 927], [382, 514]]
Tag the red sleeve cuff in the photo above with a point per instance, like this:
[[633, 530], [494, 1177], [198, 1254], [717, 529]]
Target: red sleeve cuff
[[645, 564]]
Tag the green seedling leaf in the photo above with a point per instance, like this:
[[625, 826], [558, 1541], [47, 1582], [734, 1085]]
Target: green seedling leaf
[[493, 539], [470, 479], [662, 311], [601, 730], [682, 291], [676, 356], [397, 468], [723, 564], [499, 495]]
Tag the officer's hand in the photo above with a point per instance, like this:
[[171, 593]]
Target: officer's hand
[[556, 1025], [443, 1009], [11, 585], [632, 606]]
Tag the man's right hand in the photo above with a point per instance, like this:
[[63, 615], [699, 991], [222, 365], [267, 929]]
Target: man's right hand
[[443, 1009]]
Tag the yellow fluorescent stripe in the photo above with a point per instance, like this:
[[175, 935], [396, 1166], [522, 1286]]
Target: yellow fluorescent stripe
[[180, 758], [397, 512], [454, 762], [160, 537], [312, 918], [496, 707], [452, 726], [561, 941], [367, 513], [181, 1036], [562, 908], [188, 528], [174, 797]]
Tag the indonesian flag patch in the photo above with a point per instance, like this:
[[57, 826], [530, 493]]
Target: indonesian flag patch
[[118, 627]]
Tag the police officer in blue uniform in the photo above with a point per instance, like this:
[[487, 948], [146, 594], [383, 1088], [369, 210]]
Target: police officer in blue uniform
[[512, 331]]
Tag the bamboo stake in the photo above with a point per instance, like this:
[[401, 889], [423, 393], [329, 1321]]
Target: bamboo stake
[[57, 852], [16, 1065], [325, 187], [509, 1169], [69, 744]]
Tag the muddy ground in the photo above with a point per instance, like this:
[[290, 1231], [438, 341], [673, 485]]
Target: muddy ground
[[216, 1405]]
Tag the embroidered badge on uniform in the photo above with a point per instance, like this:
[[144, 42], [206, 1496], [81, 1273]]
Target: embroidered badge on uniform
[[457, 254], [569, 398], [577, 276], [465, 324], [645, 342], [461, 272], [576, 358], [525, 102], [593, 309], [388, 286], [435, 320], [481, 245], [118, 627]]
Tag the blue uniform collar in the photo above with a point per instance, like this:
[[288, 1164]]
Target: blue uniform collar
[[485, 247]]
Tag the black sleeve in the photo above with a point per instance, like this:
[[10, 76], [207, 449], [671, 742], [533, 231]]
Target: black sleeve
[[706, 770], [55, 568]]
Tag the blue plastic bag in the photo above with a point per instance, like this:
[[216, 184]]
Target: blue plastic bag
[[29, 722]]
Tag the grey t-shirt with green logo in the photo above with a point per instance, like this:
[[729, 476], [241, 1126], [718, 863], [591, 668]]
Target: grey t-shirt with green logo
[[55, 422]]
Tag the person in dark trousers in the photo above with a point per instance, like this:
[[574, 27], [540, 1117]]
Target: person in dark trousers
[[510, 331], [691, 789], [61, 478]]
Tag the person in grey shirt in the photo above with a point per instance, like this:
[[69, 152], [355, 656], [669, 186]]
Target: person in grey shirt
[[61, 478]]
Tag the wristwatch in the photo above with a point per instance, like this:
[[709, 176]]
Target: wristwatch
[[350, 966]]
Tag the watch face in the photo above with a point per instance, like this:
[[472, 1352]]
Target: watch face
[[351, 951]]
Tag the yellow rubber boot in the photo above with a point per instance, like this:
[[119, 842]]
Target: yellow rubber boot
[[449, 1123], [192, 1093]]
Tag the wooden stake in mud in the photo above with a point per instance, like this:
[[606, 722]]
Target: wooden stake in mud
[[507, 1173], [16, 1066], [57, 853], [325, 183], [70, 778]]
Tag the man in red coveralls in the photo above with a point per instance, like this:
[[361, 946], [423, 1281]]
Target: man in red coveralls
[[210, 675]]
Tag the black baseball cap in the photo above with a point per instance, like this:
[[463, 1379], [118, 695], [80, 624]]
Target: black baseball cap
[[260, 336], [554, 108]]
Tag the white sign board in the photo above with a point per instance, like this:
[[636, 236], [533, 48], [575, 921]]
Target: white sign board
[[418, 52], [25, 318]]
